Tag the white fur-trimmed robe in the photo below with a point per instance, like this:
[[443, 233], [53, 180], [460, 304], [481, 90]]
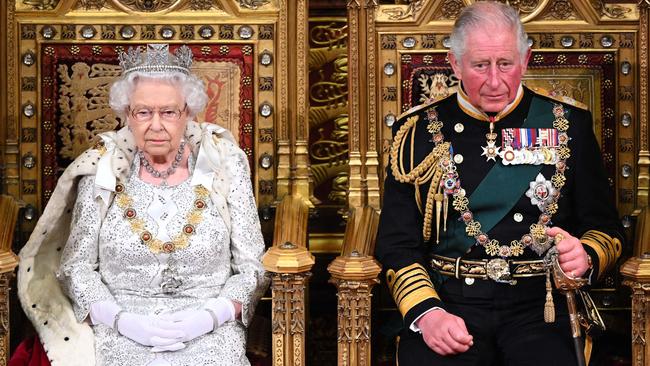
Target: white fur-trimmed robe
[[66, 341]]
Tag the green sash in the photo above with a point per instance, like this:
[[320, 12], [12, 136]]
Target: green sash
[[499, 191]]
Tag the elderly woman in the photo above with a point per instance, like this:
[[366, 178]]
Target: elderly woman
[[153, 235]]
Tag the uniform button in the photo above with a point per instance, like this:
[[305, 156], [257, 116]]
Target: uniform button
[[458, 127], [518, 217], [458, 158], [469, 281]]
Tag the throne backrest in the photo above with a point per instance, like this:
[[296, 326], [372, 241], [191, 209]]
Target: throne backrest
[[66, 60]]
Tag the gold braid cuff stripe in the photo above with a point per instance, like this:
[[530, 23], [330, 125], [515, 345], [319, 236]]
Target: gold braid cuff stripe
[[607, 248], [410, 286]]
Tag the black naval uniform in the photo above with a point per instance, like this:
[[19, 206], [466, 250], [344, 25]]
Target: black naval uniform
[[506, 320]]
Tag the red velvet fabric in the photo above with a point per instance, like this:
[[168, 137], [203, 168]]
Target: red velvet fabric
[[29, 352]]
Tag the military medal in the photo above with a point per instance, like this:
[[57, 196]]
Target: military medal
[[540, 192], [533, 146], [491, 151]]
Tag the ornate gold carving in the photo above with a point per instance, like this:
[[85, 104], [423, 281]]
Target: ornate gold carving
[[525, 6], [586, 40], [201, 4], [389, 93], [627, 40], [91, 4], [289, 263], [147, 5], [252, 4], [401, 13], [68, 31], [546, 40], [266, 31], [302, 106], [428, 41], [28, 83], [266, 83], [108, 31], [82, 96], [612, 11], [148, 31], [12, 73], [288, 306], [644, 79], [329, 36], [354, 273], [28, 31], [266, 186], [353, 69], [41, 4], [450, 9], [388, 41], [560, 10], [626, 93], [186, 32], [226, 31]]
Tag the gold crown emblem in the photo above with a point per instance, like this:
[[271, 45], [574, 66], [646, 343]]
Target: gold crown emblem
[[156, 59]]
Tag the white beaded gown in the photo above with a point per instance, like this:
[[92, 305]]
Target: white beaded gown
[[108, 260]]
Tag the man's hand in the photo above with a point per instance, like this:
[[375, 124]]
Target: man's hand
[[572, 255], [444, 333]]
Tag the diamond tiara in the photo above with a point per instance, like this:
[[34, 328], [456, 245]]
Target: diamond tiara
[[156, 59]]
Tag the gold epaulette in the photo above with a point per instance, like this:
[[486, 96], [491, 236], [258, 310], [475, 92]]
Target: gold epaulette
[[410, 286], [558, 97], [418, 107], [428, 170]]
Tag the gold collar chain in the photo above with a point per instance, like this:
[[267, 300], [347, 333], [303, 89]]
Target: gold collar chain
[[536, 238], [138, 225]]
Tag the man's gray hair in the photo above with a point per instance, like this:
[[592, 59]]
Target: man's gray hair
[[486, 13], [190, 86]]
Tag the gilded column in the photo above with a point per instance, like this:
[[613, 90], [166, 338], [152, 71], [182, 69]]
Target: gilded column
[[355, 103], [636, 271], [289, 263], [372, 152], [283, 179], [354, 274], [303, 182], [643, 180], [293, 150], [636, 274]]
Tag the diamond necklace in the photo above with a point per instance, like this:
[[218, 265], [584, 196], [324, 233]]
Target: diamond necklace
[[165, 173]]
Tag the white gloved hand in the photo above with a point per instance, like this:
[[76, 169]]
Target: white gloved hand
[[104, 312], [195, 323], [149, 330]]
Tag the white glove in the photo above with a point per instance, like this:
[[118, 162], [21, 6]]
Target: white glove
[[149, 330], [104, 312], [195, 323]]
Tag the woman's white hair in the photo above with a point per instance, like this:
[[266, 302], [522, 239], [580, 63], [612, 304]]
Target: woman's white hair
[[191, 87], [482, 14]]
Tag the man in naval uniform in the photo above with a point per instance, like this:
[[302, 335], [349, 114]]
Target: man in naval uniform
[[480, 185]]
